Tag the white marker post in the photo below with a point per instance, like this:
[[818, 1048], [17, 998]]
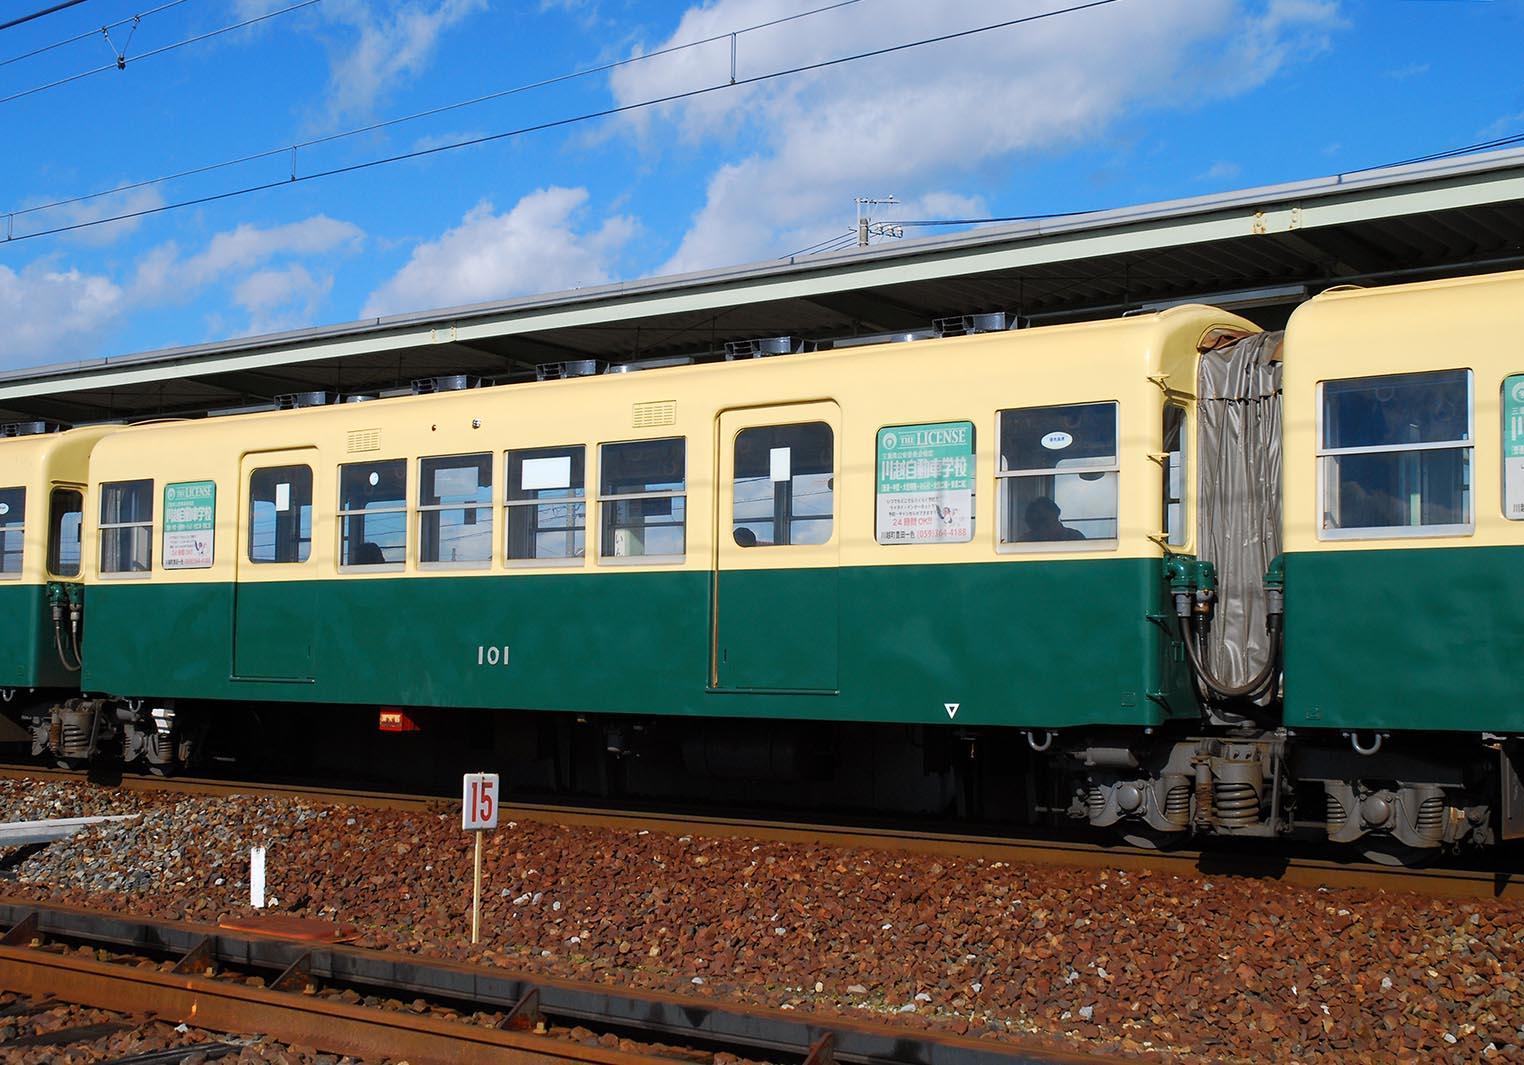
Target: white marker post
[[478, 813], [257, 877]]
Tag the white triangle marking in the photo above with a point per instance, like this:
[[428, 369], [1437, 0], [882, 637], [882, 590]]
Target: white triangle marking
[[952, 709]]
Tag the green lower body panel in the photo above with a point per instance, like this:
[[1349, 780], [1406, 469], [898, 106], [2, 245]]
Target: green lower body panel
[[28, 658], [1031, 644], [1422, 638]]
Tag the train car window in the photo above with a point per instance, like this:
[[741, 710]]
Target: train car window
[[1174, 475], [546, 511], [1513, 447], [373, 514], [12, 530], [127, 527], [1058, 474], [1395, 455], [785, 485], [455, 510], [642, 499], [66, 518], [925, 484], [280, 514]]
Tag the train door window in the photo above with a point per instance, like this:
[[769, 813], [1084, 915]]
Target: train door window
[[373, 514], [785, 485], [280, 514], [127, 527], [1174, 475], [12, 530], [66, 515], [642, 499], [1394, 455], [1058, 476], [455, 510], [546, 508]]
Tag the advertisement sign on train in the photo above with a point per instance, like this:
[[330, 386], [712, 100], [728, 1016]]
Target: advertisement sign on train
[[190, 515], [1513, 447], [926, 483]]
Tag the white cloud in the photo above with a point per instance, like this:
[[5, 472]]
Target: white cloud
[[126, 201], [537, 246], [53, 314], [281, 299], [1222, 170], [389, 43], [928, 117], [163, 275]]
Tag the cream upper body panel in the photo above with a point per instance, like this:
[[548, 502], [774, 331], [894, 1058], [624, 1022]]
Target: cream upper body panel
[[1128, 361], [1467, 324], [39, 464]]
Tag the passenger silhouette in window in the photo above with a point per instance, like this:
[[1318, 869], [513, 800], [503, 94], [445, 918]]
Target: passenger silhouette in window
[[1042, 516]]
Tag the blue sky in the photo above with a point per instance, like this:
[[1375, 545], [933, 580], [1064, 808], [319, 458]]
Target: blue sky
[[1136, 101]]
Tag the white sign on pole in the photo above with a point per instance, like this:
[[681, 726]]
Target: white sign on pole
[[478, 809], [257, 877]]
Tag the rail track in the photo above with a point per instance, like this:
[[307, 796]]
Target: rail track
[[279, 980], [1443, 882]]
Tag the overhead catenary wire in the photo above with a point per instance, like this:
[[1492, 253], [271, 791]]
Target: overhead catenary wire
[[372, 127], [39, 14], [122, 60], [608, 112], [139, 17]]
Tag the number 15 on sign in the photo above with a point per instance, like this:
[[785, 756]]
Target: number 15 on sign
[[478, 811], [478, 814]]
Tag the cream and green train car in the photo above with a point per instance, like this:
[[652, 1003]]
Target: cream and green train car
[[43, 484], [960, 534], [1404, 554]]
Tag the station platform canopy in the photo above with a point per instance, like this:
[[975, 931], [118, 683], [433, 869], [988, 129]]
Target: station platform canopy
[[1259, 251]]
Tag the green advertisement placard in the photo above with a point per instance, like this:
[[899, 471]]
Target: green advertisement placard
[[190, 518], [926, 483], [1513, 447]]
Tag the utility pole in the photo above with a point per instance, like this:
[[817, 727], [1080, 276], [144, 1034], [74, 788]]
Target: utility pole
[[866, 227]]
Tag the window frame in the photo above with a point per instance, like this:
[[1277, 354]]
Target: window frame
[[405, 510], [1184, 499], [1003, 477], [52, 561], [103, 526], [582, 499], [832, 518], [490, 507], [18, 527], [1324, 455], [248, 539], [603, 500]]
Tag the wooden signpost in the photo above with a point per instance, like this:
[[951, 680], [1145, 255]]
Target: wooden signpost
[[478, 814]]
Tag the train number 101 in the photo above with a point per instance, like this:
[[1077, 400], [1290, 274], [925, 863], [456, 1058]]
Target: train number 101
[[491, 655]]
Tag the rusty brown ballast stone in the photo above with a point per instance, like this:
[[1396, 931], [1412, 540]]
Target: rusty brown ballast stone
[[288, 1010]]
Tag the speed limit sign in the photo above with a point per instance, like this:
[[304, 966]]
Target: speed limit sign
[[478, 802]]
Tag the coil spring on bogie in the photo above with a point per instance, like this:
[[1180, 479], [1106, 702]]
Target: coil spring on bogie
[[1431, 816], [1237, 803], [74, 739], [1177, 804], [1334, 812], [1095, 799]]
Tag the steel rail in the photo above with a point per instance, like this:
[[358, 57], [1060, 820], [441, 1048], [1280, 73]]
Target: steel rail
[[1303, 871], [288, 1010]]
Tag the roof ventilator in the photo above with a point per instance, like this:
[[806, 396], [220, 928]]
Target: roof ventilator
[[34, 428], [651, 364], [556, 371], [455, 382], [961, 325], [769, 346], [298, 400]]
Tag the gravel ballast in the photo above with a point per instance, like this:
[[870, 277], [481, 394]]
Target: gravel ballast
[[1104, 961]]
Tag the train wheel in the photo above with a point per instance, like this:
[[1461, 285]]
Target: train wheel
[[1146, 837]]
